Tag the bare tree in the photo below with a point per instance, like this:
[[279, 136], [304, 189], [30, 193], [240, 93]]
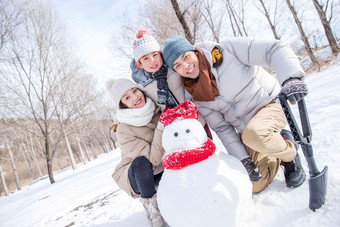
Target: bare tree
[[14, 168], [34, 155], [183, 22], [303, 35], [214, 23], [322, 10], [160, 21], [237, 17], [10, 19], [272, 22], [37, 70], [3, 182], [28, 159]]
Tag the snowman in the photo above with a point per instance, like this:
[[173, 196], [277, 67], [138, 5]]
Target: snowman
[[198, 186]]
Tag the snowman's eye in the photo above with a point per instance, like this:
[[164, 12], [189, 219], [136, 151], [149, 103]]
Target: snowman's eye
[[176, 134], [187, 131]]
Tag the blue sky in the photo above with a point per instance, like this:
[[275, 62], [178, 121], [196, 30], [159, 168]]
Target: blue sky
[[91, 24]]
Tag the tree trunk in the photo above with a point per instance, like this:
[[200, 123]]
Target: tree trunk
[[109, 146], [183, 22], [211, 22], [303, 35], [81, 150], [233, 17], [272, 26], [35, 157], [58, 160], [49, 159], [328, 31], [70, 153], [93, 151], [3, 181], [16, 177], [231, 21], [28, 161], [113, 142], [86, 151]]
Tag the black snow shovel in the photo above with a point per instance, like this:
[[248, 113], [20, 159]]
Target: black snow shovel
[[318, 180]]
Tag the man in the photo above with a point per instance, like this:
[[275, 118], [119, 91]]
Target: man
[[237, 98]]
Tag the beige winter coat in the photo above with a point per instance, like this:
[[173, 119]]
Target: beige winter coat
[[138, 141]]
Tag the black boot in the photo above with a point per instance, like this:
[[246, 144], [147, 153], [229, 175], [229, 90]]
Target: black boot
[[293, 171], [252, 169]]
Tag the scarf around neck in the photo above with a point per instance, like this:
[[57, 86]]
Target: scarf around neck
[[185, 157], [137, 116], [164, 96], [204, 87]]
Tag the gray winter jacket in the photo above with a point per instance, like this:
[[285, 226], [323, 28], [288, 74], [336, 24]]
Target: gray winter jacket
[[244, 86]]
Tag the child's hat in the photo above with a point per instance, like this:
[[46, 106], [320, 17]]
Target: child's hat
[[117, 88], [144, 44]]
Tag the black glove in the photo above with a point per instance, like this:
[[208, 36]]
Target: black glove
[[252, 169], [294, 89]]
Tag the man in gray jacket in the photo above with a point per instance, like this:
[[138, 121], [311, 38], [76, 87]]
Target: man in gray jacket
[[237, 98]]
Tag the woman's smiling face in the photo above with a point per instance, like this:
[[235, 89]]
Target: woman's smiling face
[[133, 98]]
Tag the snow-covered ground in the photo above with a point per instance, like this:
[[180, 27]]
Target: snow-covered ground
[[89, 197]]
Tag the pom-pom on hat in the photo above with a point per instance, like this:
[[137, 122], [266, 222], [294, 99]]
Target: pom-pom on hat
[[117, 88], [174, 46], [185, 110], [144, 44]]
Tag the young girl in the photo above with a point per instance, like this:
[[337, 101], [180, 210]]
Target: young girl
[[140, 142]]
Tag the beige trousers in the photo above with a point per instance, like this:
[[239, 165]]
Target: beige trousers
[[265, 145]]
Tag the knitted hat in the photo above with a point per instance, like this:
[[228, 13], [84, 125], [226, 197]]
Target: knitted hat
[[144, 44], [185, 110], [117, 88], [174, 46]]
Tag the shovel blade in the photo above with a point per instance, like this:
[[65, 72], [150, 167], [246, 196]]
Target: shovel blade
[[318, 189]]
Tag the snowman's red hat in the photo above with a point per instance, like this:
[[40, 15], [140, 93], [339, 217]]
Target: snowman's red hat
[[185, 110]]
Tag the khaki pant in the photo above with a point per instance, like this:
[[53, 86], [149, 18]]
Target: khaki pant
[[265, 145]]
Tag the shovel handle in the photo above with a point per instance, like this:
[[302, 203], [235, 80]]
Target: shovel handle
[[318, 180], [306, 137]]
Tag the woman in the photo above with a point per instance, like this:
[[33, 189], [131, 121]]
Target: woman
[[140, 142]]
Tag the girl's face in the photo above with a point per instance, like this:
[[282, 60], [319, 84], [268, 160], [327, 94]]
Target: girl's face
[[187, 65], [133, 98], [151, 62]]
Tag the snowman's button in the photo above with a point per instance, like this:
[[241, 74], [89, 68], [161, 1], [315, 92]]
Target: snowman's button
[[176, 134], [187, 131]]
